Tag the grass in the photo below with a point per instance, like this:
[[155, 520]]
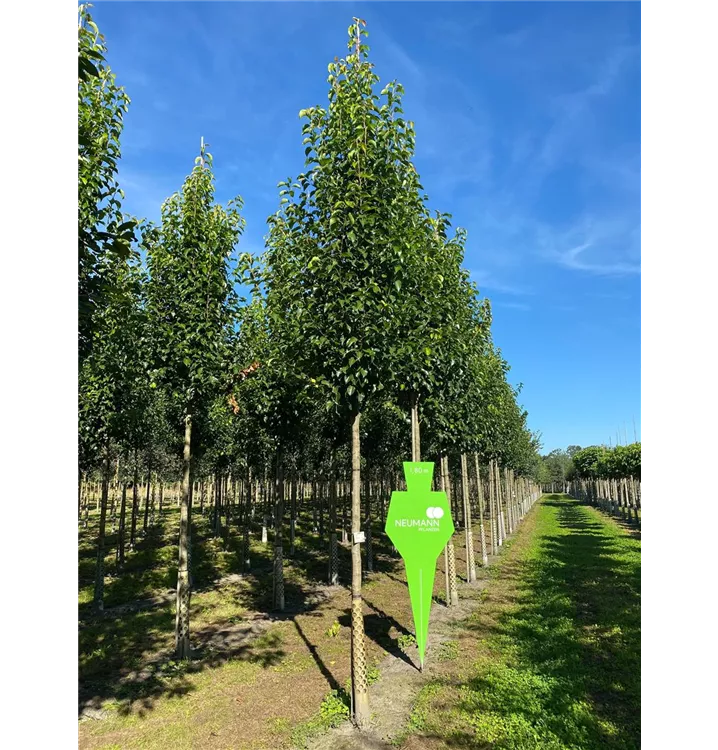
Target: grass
[[554, 651]]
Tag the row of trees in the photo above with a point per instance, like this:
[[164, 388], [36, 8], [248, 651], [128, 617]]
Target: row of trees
[[360, 340], [595, 462], [608, 478]]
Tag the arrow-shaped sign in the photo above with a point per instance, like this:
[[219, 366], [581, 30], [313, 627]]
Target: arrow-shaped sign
[[419, 525]]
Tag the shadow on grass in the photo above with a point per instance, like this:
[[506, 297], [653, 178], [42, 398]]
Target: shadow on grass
[[570, 676]]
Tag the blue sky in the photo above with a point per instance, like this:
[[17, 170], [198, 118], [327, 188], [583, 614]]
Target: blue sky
[[527, 118]]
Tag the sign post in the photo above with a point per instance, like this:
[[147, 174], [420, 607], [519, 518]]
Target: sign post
[[419, 525]]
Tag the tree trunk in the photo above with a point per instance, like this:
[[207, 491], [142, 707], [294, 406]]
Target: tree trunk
[[293, 518], [470, 562], [182, 648], [278, 581], [453, 592], [360, 690], [216, 522], [247, 520], [147, 498], [333, 547], [121, 533], [135, 503], [415, 432], [492, 508], [367, 528], [479, 490], [100, 566]]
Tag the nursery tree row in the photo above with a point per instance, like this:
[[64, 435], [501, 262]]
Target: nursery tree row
[[360, 341]]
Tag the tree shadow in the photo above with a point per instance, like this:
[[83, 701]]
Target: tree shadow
[[574, 638], [378, 626], [126, 652]]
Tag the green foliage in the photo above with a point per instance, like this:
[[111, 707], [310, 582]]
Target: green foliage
[[448, 651], [334, 710], [333, 630], [104, 233], [556, 466], [336, 249], [114, 393], [406, 641], [192, 302], [600, 462]]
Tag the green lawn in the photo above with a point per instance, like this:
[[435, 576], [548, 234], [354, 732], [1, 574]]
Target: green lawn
[[552, 661]]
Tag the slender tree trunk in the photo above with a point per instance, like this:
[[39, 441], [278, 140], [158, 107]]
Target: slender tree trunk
[[470, 562], [121, 533], [114, 491], [247, 521], [293, 519], [80, 496], [215, 508], [479, 490], [135, 504], [333, 541], [494, 508], [147, 497], [86, 516], [358, 653], [182, 647], [100, 566], [346, 499], [415, 431], [453, 596], [278, 581], [367, 528], [499, 505]]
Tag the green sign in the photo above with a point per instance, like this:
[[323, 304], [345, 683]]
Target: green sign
[[419, 525]]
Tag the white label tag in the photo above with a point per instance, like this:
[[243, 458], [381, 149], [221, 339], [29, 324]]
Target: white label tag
[[359, 537]]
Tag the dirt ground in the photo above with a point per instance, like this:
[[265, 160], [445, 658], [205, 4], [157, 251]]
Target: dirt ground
[[256, 677]]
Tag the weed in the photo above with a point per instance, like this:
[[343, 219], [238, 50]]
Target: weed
[[448, 651], [406, 641], [333, 630]]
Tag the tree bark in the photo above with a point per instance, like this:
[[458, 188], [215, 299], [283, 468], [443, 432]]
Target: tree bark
[[100, 565], [415, 432], [479, 490], [278, 581], [135, 503], [358, 653], [333, 546], [470, 562], [453, 593], [147, 498], [182, 647], [121, 533]]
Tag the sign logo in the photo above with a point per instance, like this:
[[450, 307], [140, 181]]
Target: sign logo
[[419, 525]]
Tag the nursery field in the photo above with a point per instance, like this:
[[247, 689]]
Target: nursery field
[[543, 651], [258, 678]]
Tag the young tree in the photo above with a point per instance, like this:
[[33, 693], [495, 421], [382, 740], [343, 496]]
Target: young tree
[[334, 268], [112, 381], [192, 308]]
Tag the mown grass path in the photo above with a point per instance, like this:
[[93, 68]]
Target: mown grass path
[[552, 659]]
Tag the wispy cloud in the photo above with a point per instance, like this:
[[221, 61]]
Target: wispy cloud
[[486, 280], [570, 259], [602, 248]]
